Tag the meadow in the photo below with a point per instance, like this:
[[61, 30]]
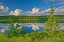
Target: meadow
[[49, 36]]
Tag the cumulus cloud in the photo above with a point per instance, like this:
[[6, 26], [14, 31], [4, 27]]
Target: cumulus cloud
[[16, 12], [3, 10], [34, 11], [44, 12], [60, 10]]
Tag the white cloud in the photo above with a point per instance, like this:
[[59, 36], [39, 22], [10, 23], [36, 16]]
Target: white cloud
[[16, 12], [44, 12], [35, 11], [3, 10], [60, 10]]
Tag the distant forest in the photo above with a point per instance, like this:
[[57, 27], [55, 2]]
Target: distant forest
[[29, 19]]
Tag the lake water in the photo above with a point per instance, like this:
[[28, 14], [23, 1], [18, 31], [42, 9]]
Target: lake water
[[28, 26]]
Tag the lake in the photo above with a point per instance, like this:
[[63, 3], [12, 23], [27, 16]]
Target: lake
[[28, 26]]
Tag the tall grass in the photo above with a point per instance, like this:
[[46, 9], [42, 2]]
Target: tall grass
[[35, 37]]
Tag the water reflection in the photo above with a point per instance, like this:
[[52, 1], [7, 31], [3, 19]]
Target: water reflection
[[29, 26], [61, 26], [4, 27]]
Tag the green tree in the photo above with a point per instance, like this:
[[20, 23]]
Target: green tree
[[51, 24], [14, 31]]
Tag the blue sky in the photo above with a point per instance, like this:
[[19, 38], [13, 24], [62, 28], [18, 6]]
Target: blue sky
[[27, 5], [23, 4]]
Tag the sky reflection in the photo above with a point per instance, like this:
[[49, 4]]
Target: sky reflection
[[29, 26]]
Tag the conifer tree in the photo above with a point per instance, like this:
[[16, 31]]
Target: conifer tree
[[51, 23]]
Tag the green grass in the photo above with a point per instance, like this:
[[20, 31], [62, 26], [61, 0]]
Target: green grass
[[49, 36]]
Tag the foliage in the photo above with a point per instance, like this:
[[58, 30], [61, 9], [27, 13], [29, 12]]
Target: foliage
[[50, 36], [14, 30], [51, 24]]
